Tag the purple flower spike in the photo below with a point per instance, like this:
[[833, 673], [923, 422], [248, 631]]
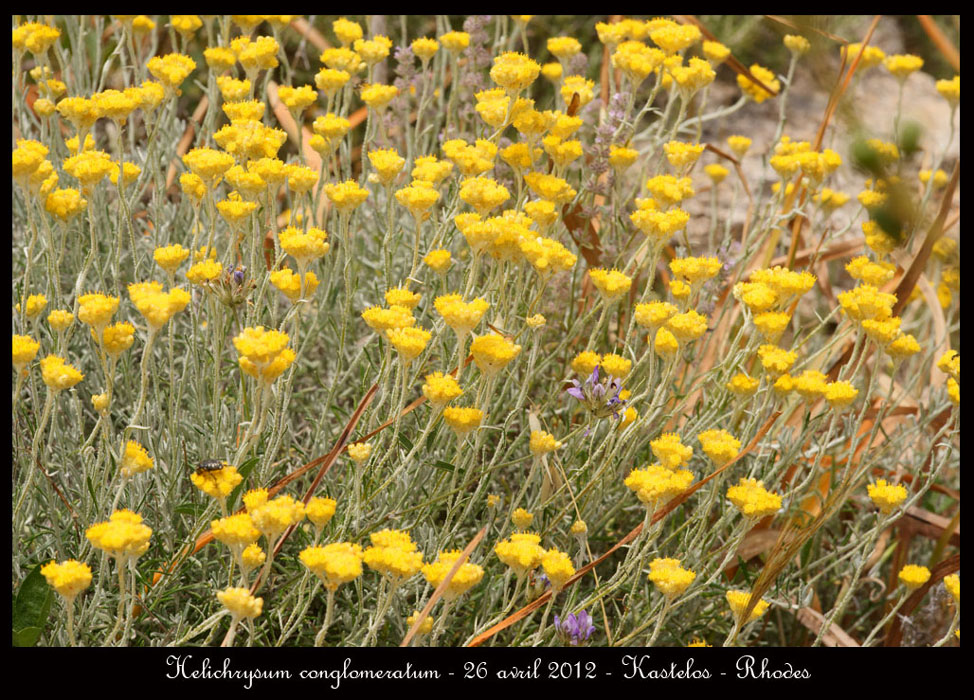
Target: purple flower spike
[[575, 629], [600, 397]]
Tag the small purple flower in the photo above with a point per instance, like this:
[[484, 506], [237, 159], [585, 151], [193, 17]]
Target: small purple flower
[[600, 397], [575, 629], [238, 275]]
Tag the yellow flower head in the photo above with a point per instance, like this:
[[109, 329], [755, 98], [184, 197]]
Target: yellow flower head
[[719, 445], [320, 511], [776, 360], [304, 246], [514, 71], [378, 96], [673, 38], [373, 50], [483, 194], [438, 260], [672, 453], [665, 343], [771, 324], [24, 351], [381, 320], [669, 577], [393, 554], [743, 385], [558, 568], [493, 352], [346, 196], [440, 389], [455, 42], [425, 48], [462, 420], [542, 443], [657, 484], [586, 362], [461, 316], [217, 483], [58, 374], [409, 342], [612, 284], [687, 326], [578, 85], [466, 577], [681, 155], [240, 602], [418, 198], [275, 516], [949, 363], [122, 536], [522, 552], [236, 531], [903, 65], [334, 564], [738, 600], [950, 89], [359, 451], [753, 500], [68, 578], [952, 584], [755, 91], [348, 32], [660, 226], [171, 70], [885, 496], [913, 576]]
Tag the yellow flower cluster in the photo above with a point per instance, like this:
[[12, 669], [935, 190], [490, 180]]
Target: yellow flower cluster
[[669, 577], [334, 564], [466, 577], [753, 500], [217, 483], [240, 602], [913, 576], [887, 497], [68, 578], [492, 352], [542, 442], [264, 354], [462, 420], [657, 484], [719, 445], [440, 389], [58, 374], [738, 600], [394, 555], [122, 536]]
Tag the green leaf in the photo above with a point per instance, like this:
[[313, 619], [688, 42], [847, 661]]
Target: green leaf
[[26, 637], [405, 442], [31, 608], [445, 466]]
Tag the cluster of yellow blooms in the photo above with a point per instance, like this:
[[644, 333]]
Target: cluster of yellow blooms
[[461, 185]]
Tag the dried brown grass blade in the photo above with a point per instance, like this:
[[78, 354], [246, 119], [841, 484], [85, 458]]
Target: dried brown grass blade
[[657, 516], [937, 573], [438, 593], [583, 233], [183, 146], [806, 28], [834, 637], [284, 117], [906, 284], [940, 40], [314, 37], [734, 64]]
